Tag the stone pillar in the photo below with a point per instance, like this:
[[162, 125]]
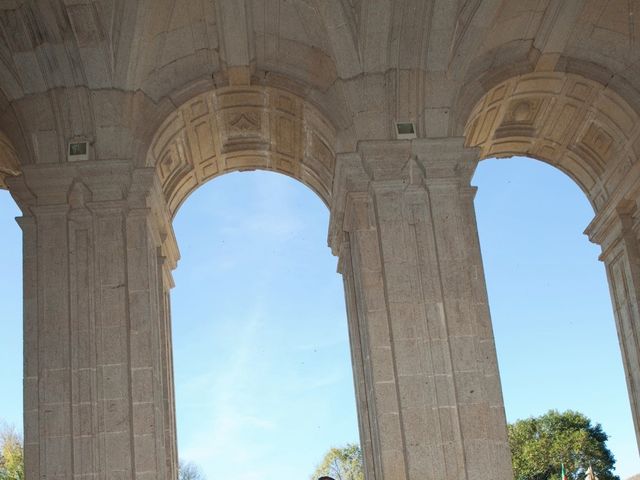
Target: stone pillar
[[426, 374], [98, 396], [617, 231]]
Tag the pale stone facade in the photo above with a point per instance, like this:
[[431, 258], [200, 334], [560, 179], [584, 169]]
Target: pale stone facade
[[170, 93]]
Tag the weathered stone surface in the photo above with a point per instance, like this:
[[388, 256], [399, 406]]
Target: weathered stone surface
[[170, 93], [98, 386], [425, 366]]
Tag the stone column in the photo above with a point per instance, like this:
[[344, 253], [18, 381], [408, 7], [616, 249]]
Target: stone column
[[426, 374], [98, 398], [617, 231]]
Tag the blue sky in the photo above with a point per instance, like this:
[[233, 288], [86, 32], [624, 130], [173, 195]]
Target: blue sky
[[262, 366]]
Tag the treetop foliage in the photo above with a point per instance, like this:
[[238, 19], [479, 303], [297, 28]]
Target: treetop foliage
[[341, 463], [189, 471], [11, 454], [539, 448], [540, 445]]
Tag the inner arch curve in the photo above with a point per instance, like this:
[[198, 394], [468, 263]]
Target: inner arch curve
[[573, 123], [242, 128], [9, 164]]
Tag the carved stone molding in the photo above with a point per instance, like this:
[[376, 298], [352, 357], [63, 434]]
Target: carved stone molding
[[243, 128], [379, 165], [93, 187]]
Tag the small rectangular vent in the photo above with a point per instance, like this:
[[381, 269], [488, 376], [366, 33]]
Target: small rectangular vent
[[405, 130], [78, 151]]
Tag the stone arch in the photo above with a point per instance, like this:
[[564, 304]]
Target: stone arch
[[592, 133], [578, 125], [242, 128]]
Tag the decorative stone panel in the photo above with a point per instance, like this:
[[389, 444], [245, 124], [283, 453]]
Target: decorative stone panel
[[243, 128], [575, 124]]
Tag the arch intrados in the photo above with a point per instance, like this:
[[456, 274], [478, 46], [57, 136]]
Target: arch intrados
[[9, 163], [174, 213], [546, 161], [238, 129], [577, 125]]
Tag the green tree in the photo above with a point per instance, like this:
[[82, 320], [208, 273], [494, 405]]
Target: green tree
[[11, 454], [539, 445], [342, 464]]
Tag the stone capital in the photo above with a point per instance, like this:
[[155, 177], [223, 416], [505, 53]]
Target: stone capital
[[613, 224], [438, 159], [379, 166], [384, 161], [102, 182], [446, 160], [403, 163], [86, 189]]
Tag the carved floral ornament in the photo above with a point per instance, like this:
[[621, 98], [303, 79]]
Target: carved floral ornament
[[573, 123], [243, 128]]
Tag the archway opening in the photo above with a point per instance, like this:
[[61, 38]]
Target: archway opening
[[11, 317], [261, 354], [553, 321]]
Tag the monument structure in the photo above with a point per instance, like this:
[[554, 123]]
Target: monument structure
[[113, 111]]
